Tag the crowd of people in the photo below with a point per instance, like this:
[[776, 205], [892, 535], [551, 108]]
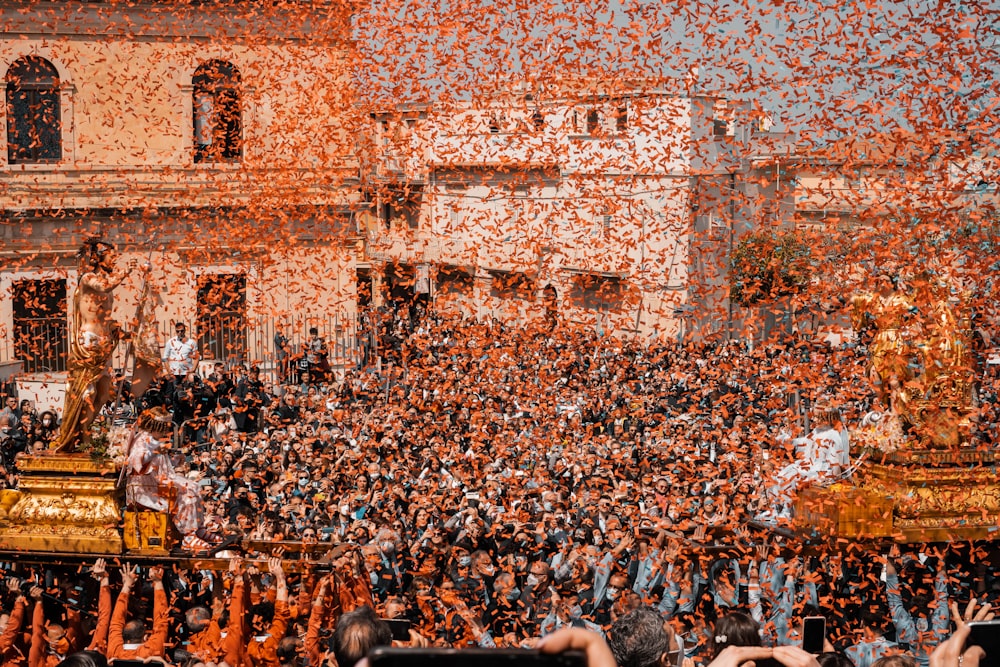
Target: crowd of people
[[494, 485]]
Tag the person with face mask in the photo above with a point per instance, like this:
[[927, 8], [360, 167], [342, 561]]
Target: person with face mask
[[389, 576], [129, 640], [50, 643], [503, 614], [604, 567], [565, 610], [605, 611], [48, 426], [535, 596], [483, 571]]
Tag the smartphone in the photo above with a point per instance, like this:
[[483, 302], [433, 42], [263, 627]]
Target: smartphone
[[384, 656], [400, 628], [813, 634], [986, 635]]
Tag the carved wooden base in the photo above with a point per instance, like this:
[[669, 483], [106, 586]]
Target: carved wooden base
[[956, 500], [66, 503], [843, 510], [910, 496]]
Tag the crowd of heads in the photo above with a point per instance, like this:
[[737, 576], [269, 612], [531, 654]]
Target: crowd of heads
[[495, 484]]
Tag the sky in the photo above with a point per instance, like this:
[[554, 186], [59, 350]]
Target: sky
[[822, 69]]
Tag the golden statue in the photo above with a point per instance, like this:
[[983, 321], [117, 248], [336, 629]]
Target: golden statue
[[891, 311], [921, 362], [93, 337], [944, 403]]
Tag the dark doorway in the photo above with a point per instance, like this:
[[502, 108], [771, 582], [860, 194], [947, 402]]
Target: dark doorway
[[222, 309], [402, 296], [40, 328], [364, 288]]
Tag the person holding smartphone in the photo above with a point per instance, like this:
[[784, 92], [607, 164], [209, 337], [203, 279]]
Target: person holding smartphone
[[974, 630]]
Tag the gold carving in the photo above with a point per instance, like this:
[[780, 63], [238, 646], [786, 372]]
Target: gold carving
[[921, 363], [920, 454], [65, 504], [72, 464]]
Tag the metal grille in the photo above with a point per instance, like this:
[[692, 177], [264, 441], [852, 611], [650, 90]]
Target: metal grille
[[41, 343]]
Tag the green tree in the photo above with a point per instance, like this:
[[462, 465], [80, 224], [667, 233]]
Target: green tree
[[767, 265]]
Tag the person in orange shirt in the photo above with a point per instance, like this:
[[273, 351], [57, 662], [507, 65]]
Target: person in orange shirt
[[50, 642], [99, 641], [262, 649], [233, 644], [209, 641], [12, 649], [205, 642], [318, 613], [128, 641]]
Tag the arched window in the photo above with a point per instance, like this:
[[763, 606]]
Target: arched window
[[34, 132], [218, 127]]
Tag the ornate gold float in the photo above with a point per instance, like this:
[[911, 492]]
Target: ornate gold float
[[65, 503], [923, 476]]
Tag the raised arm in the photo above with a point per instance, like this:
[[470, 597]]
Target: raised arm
[[158, 636], [115, 639], [317, 611], [941, 621], [906, 629], [99, 642], [280, 623], [234, 643], [36, 653], [16, 619]]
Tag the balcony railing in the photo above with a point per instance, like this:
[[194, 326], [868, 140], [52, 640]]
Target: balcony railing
[[230, 337], [41, 344]]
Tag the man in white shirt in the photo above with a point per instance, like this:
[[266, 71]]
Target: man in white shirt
[[822, 458], [180, 353]]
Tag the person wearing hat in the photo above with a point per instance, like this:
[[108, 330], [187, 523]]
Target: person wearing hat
[[154, 484]]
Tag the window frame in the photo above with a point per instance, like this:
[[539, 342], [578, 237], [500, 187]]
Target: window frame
[[212, 80], [53, 87]]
